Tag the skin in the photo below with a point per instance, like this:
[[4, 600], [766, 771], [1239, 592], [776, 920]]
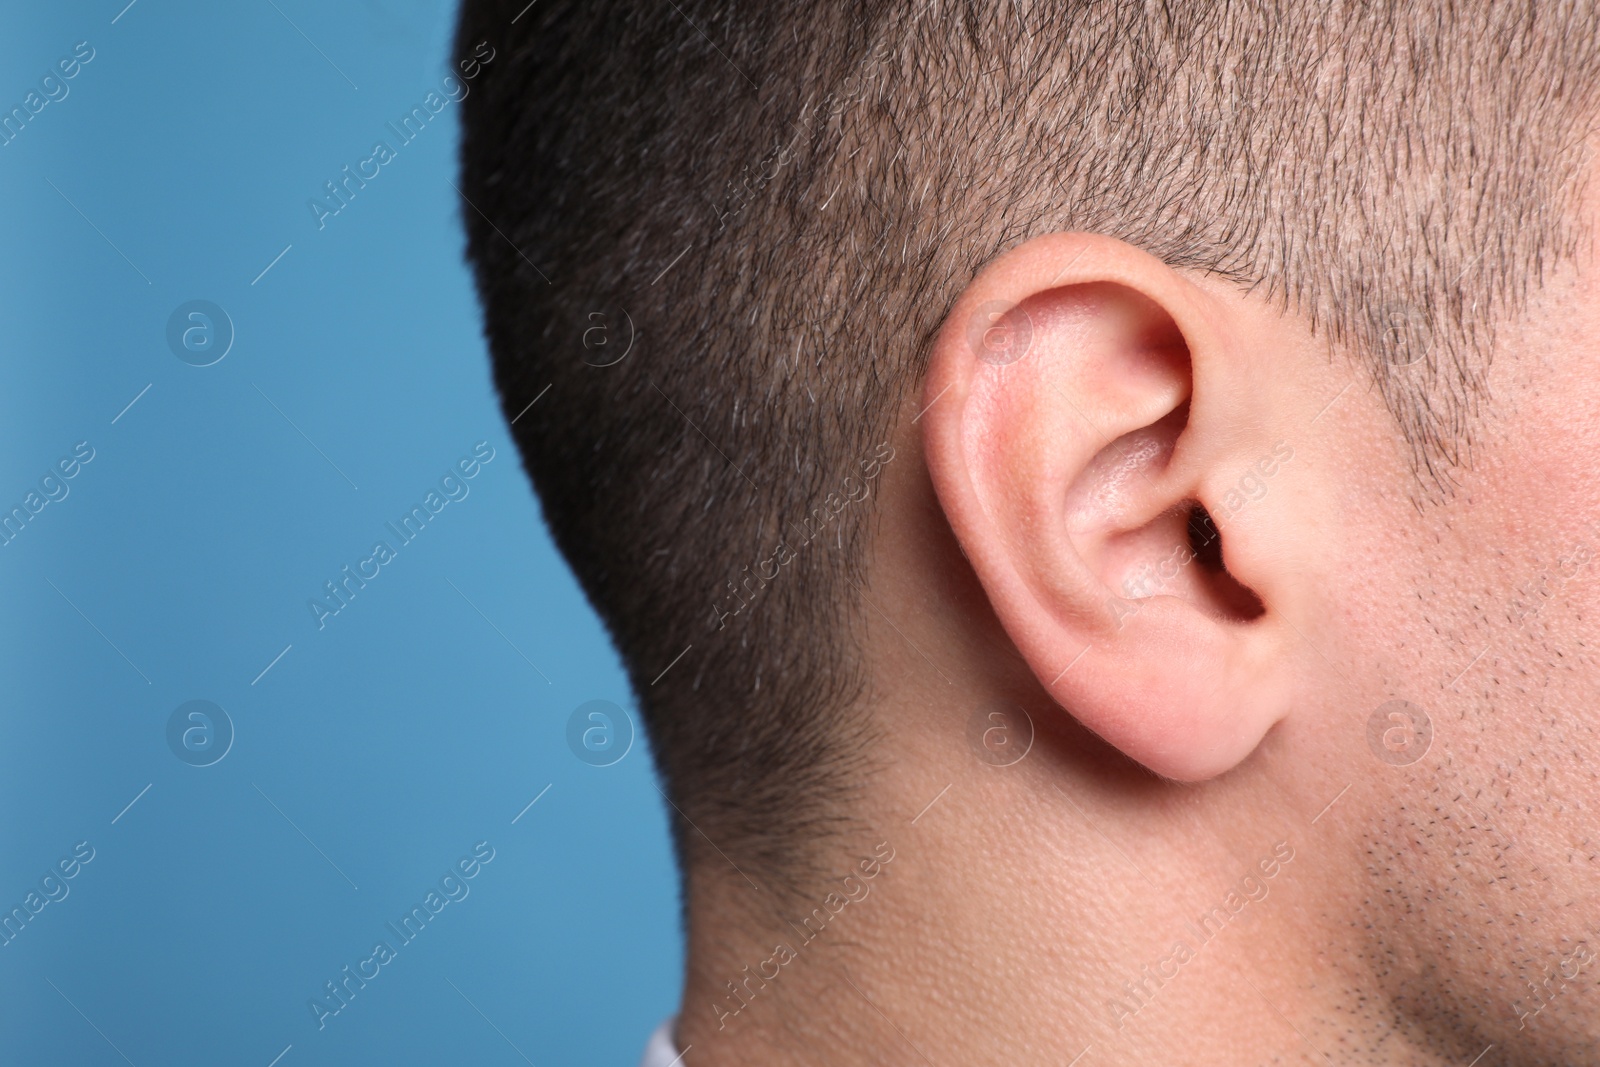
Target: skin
[[1439, 905]]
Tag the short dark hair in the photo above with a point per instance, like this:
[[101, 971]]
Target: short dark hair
[[778, 203]]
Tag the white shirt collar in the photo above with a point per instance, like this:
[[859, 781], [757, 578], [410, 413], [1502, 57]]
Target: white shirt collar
[[662, 1051]]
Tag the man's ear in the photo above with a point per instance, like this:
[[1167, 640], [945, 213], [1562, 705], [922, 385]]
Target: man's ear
[[1089, 411]]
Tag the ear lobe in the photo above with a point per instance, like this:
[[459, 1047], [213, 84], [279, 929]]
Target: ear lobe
[[1079, 408]]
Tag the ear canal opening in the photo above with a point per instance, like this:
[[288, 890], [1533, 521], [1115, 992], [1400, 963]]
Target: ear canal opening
[[1227, 594]]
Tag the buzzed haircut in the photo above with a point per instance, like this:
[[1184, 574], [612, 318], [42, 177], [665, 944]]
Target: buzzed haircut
[[778, 203]]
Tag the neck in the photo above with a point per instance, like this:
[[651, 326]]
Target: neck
[[1046, 911]]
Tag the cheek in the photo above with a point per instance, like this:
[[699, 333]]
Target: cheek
[[1477, 850]]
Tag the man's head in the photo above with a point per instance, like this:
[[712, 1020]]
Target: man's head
[[1194, 380]]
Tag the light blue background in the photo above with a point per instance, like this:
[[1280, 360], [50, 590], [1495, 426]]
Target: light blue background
[[405, 731]]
